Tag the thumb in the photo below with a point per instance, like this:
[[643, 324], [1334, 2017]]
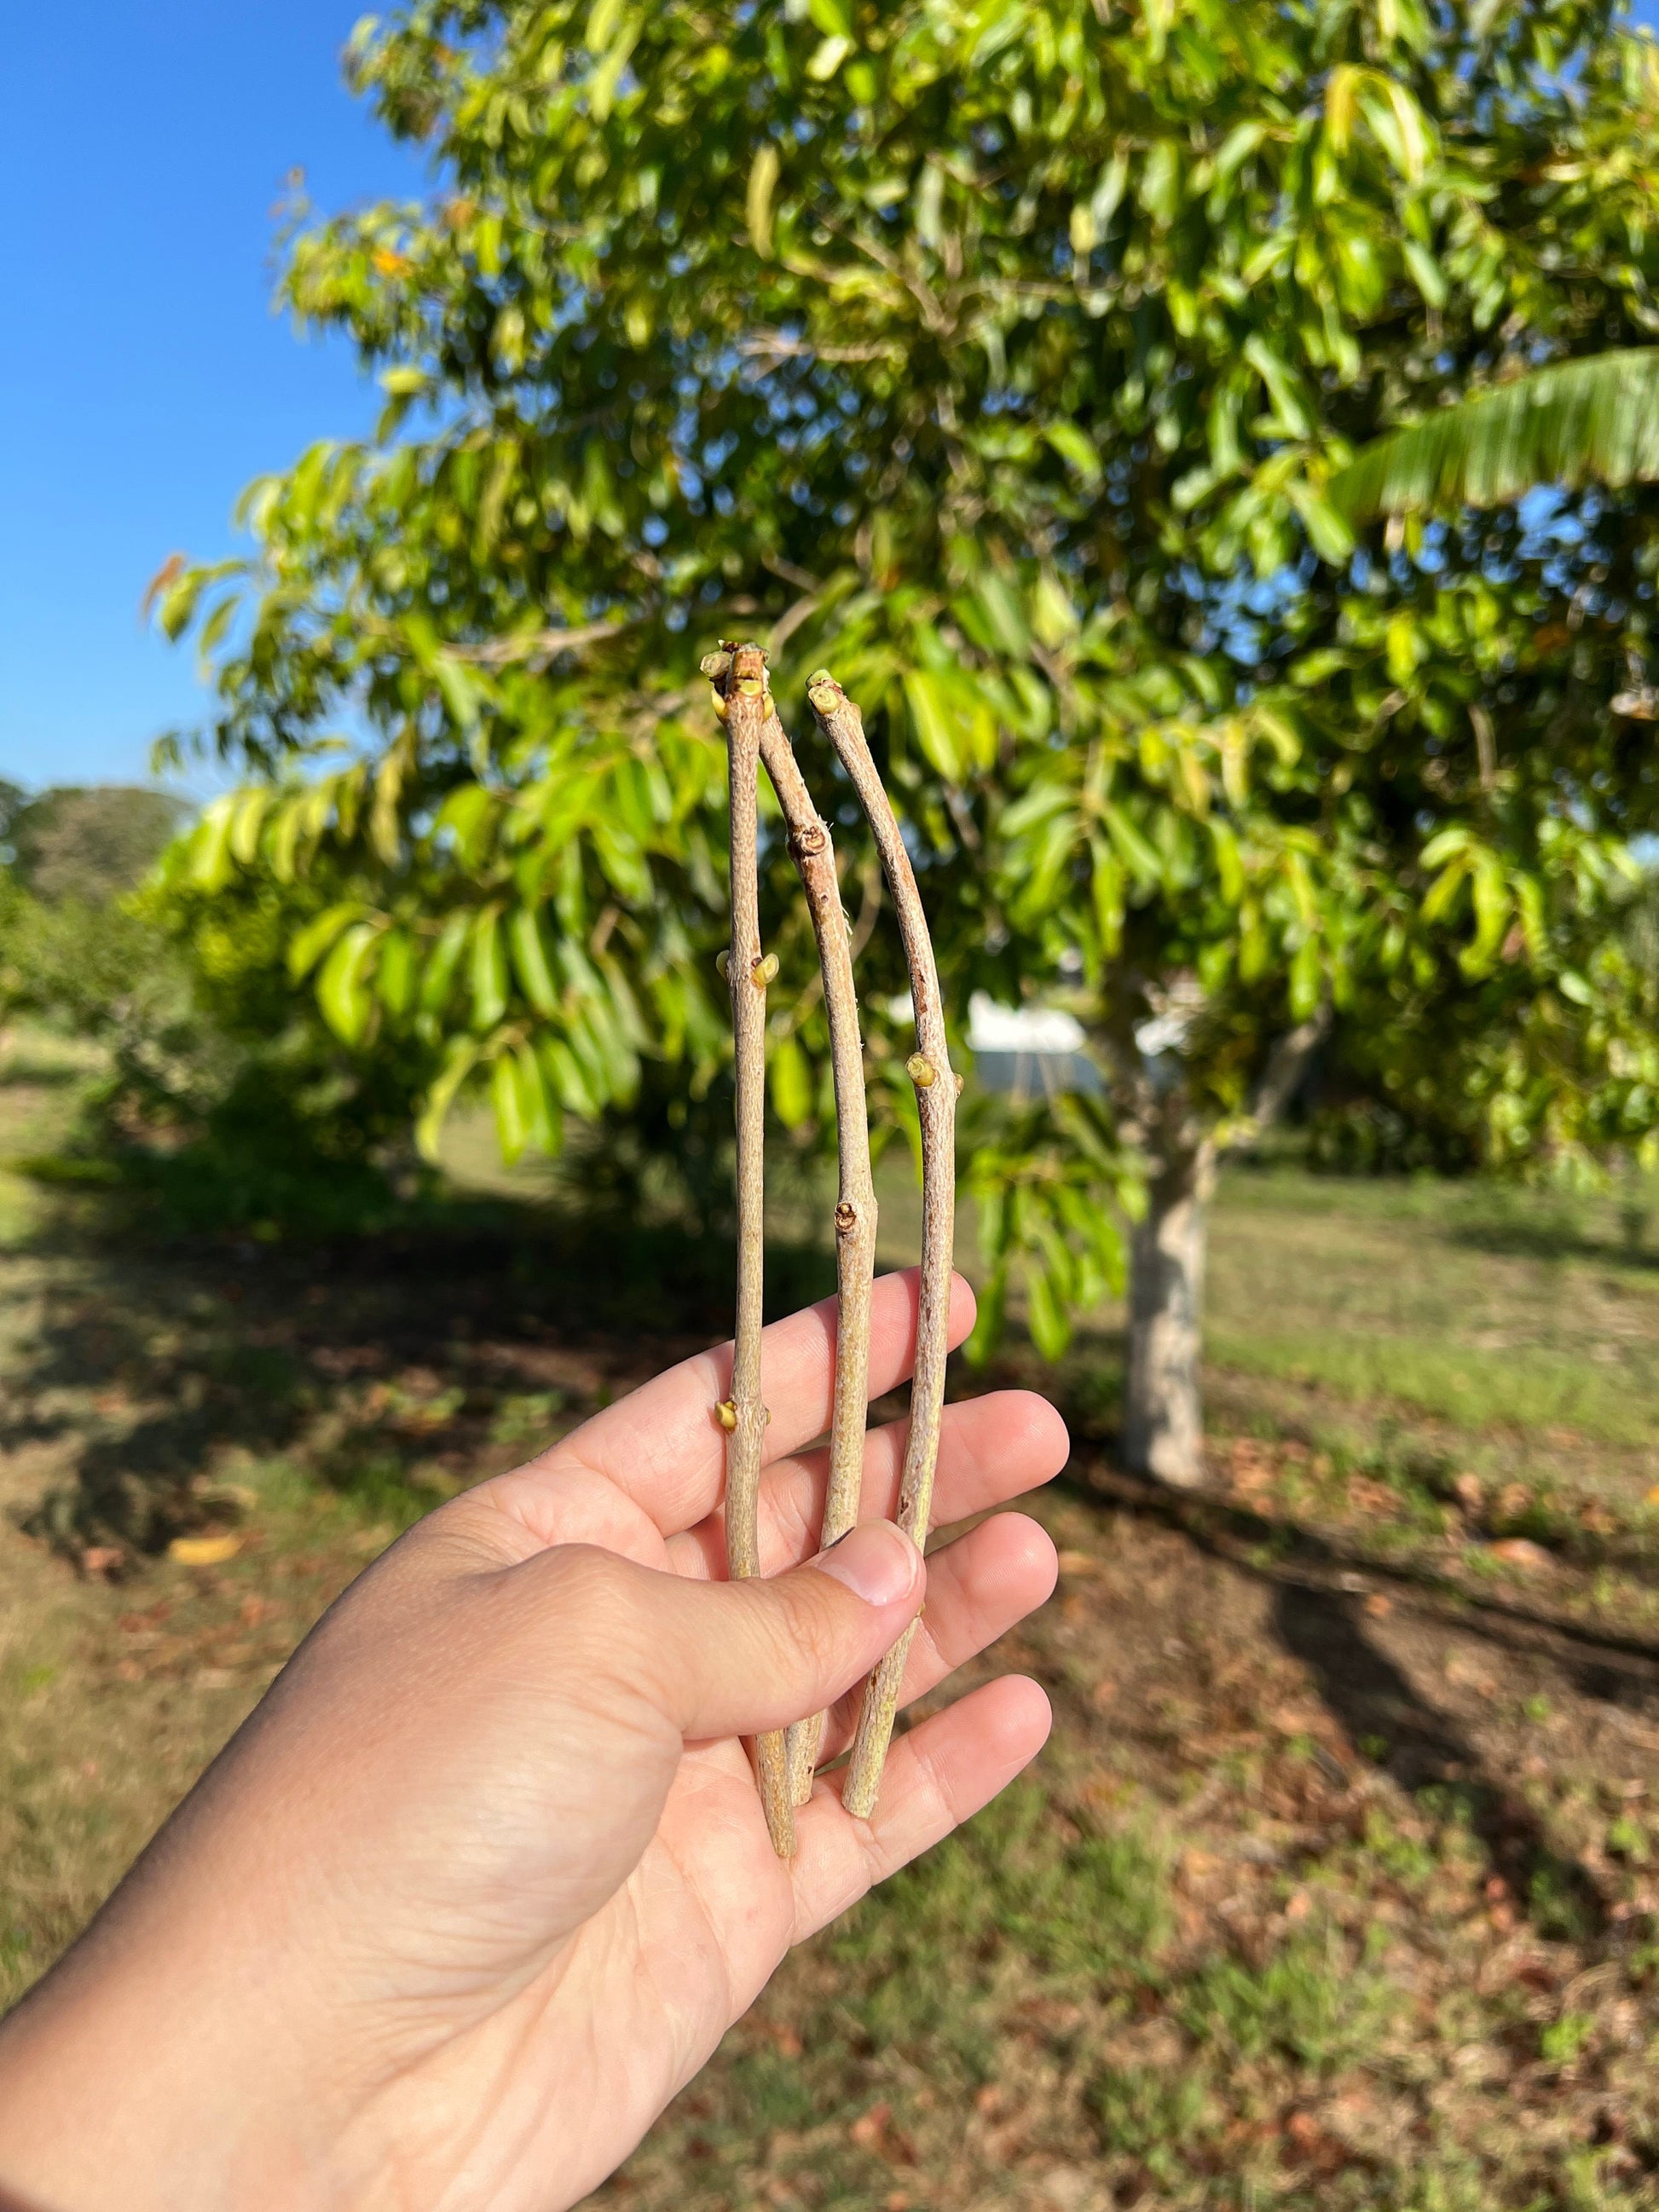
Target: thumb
[[741, 1658]]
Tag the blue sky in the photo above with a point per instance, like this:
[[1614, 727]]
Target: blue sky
[[144, 379]]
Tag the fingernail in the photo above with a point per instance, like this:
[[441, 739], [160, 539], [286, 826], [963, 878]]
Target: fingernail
[[875, 1561]]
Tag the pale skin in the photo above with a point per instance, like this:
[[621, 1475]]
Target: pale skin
[[485, 1877]]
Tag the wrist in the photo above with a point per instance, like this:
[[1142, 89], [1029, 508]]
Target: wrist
[[130, 2081]]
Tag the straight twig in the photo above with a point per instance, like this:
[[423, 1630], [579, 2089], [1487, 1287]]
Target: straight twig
[[745, 707]]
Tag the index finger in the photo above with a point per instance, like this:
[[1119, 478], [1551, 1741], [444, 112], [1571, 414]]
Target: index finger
[[664, 1445]]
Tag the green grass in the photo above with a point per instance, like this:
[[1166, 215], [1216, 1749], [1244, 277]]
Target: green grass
[[1489, 1308], [1311, 2002], [1227, 1946]]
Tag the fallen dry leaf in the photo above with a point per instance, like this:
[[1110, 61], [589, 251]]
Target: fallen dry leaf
[[1521, 1551], [867, 2131], [203, 1551], [874, 2130]]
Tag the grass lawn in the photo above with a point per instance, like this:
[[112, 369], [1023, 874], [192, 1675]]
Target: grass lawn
[[1337, 1884]]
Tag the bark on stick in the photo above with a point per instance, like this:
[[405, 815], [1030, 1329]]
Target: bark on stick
[[747, 705], [814, 856], [930, 1070]]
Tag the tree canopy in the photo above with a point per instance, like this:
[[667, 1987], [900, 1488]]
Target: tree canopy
[[1001, 354]]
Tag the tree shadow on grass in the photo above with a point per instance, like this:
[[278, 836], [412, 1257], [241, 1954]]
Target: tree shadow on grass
[[144, 1368], [1323, 1625], [1423, 1748], [1551, 1239]]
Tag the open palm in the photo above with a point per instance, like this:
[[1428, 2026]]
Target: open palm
[[495, 1832]]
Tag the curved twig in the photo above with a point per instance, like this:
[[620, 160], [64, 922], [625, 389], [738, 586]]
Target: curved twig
[[744, 710], [929, 1069], [814, 855]]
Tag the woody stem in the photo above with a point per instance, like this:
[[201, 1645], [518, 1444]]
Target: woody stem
[[930, 1070], [746, 708], [813, 853]]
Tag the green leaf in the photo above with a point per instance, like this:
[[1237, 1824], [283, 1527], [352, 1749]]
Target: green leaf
[[1051, 1329], [1425, 272], [1327, 529], [508, 1101], [540, 1112], [530, 964], [341, 992], [602, 20], [1284, 389], [1437, 900], [437, 973], [989, 1321], [1137, 856], [462, 1059], [791, 1076], [567, 1081], [1054, 617], [935, 724], [308, 946], [1306, 975], [1578, 422], [246, 820], [488, 969], [395, 971], [1076, 451]]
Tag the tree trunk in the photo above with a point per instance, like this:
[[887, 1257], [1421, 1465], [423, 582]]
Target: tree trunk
[[1163, 1412]]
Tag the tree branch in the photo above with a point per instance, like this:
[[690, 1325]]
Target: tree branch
[[813, 853], [536, 644], [929, 1069], [744, 1415], [1287, 1063]]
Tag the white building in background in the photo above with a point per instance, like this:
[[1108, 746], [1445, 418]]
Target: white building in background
[[1028, 1050]]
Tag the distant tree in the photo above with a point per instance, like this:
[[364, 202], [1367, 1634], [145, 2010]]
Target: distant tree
[[999, 355], [87, 846]]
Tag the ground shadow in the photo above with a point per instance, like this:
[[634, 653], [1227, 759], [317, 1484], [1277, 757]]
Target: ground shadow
[[147, 1364], [1323, 1625], [1550, 1240], [1377, 1706]]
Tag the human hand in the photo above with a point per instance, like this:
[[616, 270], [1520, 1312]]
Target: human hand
[[484, 1878]]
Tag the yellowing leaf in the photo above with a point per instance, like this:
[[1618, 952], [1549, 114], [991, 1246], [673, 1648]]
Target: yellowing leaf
[[203, 1551], [1052, 616], [828, 58], [210, 852], [1341, 92], [763, 179]]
